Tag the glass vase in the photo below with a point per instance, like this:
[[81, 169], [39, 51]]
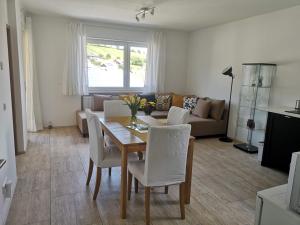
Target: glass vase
[[133, 118]]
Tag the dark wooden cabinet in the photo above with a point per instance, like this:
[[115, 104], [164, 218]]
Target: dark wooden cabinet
[[281, 140]]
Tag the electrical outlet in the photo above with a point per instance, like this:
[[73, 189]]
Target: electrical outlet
[[50, 126], [7, 188]]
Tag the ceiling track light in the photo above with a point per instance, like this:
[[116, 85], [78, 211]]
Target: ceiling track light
[[143, 12]]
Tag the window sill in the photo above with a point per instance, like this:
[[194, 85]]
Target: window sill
[[115, 91]]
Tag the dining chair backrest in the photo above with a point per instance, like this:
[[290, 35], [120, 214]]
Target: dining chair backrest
[[166, 153], [96, 138], [115, 108], [177, 116]]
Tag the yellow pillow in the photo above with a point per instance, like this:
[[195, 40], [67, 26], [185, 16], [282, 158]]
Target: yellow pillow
[[177, 100], [122, 97]]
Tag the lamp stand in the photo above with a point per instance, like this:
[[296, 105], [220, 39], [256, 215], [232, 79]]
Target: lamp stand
[[226, 138]]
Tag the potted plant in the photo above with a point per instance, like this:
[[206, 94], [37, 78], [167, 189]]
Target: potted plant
[[149, 107]]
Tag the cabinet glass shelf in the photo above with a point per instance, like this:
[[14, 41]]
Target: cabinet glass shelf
[[254, 93]]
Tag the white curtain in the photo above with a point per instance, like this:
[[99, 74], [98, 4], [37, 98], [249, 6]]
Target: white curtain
[[156, 63], [75, 80], [33, 108]]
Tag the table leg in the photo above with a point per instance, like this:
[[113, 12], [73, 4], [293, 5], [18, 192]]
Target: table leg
[[188, 174], [123, 182]]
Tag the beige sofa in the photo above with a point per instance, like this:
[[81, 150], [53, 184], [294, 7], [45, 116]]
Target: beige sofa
[[200, 126]]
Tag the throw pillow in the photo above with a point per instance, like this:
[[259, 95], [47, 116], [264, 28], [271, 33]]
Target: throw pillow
[[177, 100], [122, 97], [163, 102], [98, 101], [217, 109], [202, 108], [189, 103], [149, 97]]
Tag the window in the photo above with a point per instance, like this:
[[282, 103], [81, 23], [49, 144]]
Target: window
[[116, 65], [138, 57]]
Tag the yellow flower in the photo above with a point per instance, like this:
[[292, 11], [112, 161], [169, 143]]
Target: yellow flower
[[143, 101], [132, 98], [152, 103]]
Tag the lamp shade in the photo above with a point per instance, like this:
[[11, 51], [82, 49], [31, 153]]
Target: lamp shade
[[227, 71]]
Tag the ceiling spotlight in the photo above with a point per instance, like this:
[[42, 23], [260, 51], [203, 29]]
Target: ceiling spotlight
[[143, 11]]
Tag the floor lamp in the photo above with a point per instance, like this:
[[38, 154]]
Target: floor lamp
[[228, 72]]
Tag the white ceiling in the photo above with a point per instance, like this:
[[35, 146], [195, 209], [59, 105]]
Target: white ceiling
[[174, 14]]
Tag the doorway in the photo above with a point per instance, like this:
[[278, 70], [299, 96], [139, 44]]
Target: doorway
[[10, 59]]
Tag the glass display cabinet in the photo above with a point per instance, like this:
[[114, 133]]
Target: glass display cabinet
[[254, 94]]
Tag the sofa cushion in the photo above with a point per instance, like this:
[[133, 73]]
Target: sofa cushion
[[193, 119], [217, 109], [177, 100], [189, 103], [202, 108], [98, 101], [123, 97], [163, 102], [149, 97], [82, 114], [159, 114], [206, 127]]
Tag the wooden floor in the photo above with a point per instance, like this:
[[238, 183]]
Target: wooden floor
[[51, 186]]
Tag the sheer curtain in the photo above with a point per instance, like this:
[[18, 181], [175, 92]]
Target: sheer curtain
[[156, 61], [33, 108], [75, 80]]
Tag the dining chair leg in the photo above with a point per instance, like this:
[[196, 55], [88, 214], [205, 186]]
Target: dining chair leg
[[98, 181], [182, 199], [147, 205], [109, 171], [129, 185], [136, 185], [166, 189], [91, 166]]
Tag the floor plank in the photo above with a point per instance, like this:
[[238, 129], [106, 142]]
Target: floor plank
[[51, 186]]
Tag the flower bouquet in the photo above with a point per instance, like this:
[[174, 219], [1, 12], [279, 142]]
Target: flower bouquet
[[149, 107], [134, 103]]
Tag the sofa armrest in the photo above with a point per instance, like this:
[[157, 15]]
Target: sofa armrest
[[82, 123]]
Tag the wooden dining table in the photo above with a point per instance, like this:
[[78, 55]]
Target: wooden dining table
[[129, 140]]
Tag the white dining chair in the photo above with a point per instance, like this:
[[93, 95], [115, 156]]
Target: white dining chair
[[101, 155], [177, 115], [115, 108], [164, 164]]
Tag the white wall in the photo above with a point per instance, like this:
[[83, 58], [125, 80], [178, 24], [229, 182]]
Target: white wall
[[176, 61], [7, 148], [270, 38], [49, 40]]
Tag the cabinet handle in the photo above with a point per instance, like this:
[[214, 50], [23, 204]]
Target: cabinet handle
[[288, 117]]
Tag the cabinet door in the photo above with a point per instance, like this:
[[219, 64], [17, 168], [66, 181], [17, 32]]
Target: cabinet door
[[282, 139]]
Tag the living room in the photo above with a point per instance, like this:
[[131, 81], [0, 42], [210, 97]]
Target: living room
[[62, 58]]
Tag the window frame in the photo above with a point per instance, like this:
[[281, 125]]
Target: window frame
[[126, 71]]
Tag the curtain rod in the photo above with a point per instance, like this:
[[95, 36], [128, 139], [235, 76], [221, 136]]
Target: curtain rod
[[117, 40], [118, 26]]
